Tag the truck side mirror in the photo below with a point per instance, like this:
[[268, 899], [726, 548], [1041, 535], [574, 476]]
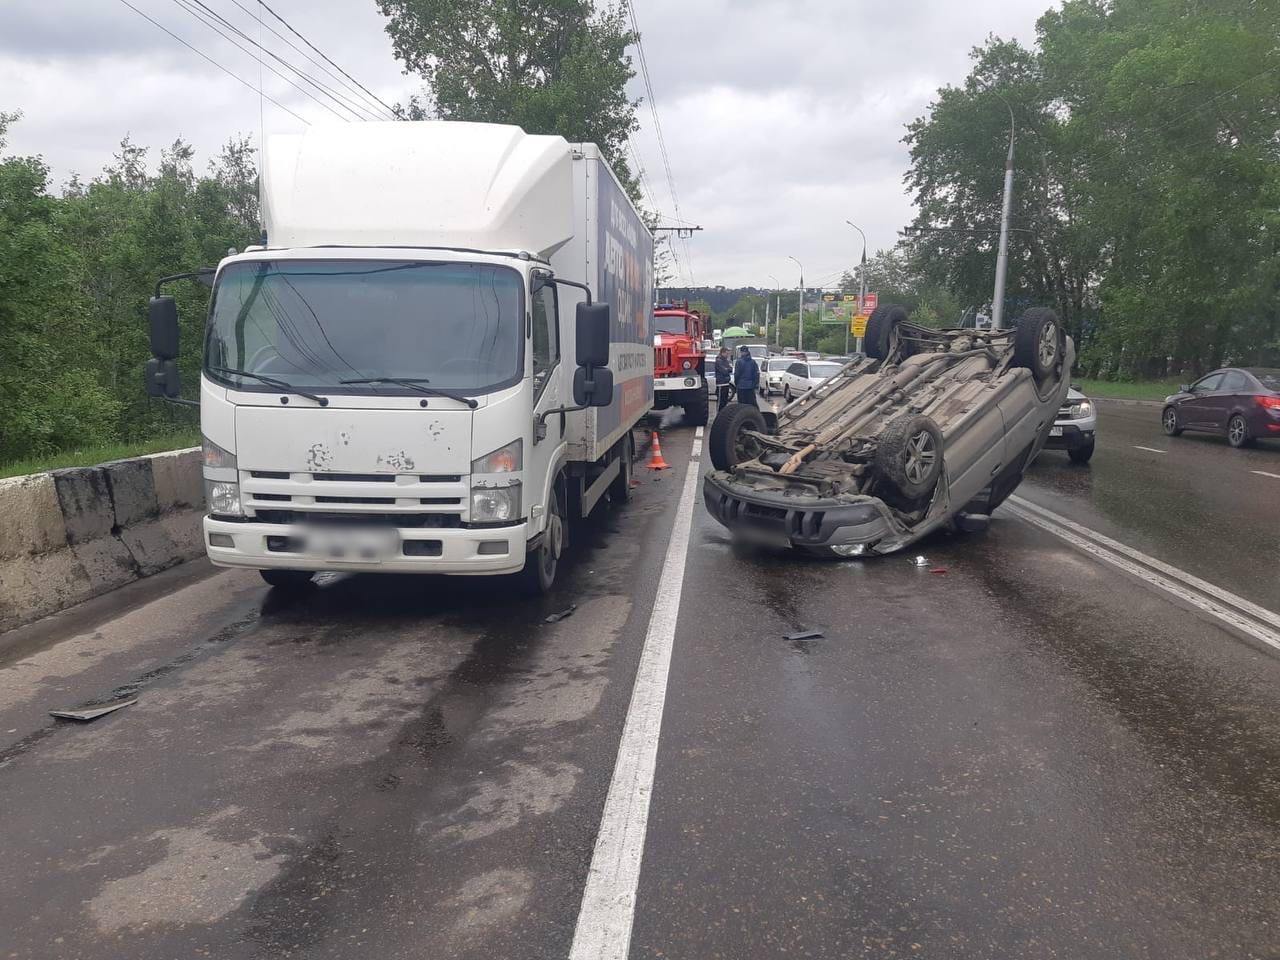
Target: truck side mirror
[[593, 322], [593, 386], [163, 315], [163, 379]]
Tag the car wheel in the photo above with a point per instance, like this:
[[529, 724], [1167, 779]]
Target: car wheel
[[1081, 454], [541, 565], [786, 393], [1238, 432], [287, 579], [1037, 343], [727, 444], [881, 333], [909, 455], [1169, 420], [620, 489]]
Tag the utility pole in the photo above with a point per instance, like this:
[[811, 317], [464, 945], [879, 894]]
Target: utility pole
[[862, 289], [682, 233], [800, 335], [777, 308], [1002, 256]]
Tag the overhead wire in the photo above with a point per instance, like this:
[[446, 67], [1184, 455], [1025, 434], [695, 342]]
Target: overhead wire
[[204, 56]]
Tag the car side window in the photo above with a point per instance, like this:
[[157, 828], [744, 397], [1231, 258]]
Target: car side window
[[796, 369], [1208, 384], [1235, 382], [546, 343]]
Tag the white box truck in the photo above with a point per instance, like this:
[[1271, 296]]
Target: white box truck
[[431, 363]]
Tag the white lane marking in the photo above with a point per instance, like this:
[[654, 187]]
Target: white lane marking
[[608, 907], [1263, 473], [1149, 449], [1235, 618]]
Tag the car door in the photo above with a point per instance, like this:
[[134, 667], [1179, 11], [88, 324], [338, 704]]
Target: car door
[[1228, 398], [550, 391], [1196, 411], [793, 376]]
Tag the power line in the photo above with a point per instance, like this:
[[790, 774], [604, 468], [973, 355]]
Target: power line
[[205, 56], [348, 85], [290, 28], [192, 7]]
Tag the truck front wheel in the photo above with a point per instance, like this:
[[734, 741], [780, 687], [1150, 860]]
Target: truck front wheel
[[542, 563]]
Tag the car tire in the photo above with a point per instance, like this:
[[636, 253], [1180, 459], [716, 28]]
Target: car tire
[[697, 411], [1082, 453], [1238, 432], [287, 579], [620, 489], [909, 455], [880, 337], [1038, 343], [1169, 421], [725, 443], [542, 564], [786, 393]]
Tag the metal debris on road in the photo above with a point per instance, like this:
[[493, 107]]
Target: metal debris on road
[[920, 561], [804, 635], [93, 712], [557, 617]]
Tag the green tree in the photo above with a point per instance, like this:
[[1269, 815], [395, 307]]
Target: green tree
[[550, 66]]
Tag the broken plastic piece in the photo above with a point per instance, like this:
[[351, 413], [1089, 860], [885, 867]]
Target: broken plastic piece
[[920, 561], [804, 635], [557, 617], [93, 712], [938, 570]]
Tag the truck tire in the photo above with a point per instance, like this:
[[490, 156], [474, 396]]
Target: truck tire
[[1037, 344], [909, 456], [697, 410], [287, 579], [726, 444], [620, 489], [541, 565], [879, 339]]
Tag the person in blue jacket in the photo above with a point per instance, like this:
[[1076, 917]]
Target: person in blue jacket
[[746, 377]]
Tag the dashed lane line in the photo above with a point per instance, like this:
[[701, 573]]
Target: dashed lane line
[[603, 931], [1231, 610], [1149, 449], [1263, 473]]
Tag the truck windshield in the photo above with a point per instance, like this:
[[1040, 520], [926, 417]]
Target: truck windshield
[[669, 325], [313, 323]]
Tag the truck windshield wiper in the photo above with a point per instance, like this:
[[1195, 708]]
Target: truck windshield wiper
[[415, 383], [272, 382]]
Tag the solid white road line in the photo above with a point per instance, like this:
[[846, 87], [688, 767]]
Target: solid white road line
[[1263, 473], [609, 899], [1236, 612], [1149, 449]]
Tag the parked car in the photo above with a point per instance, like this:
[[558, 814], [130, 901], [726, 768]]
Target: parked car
[[801, 376], [1074, 428], [771, 369], [1240, 403]]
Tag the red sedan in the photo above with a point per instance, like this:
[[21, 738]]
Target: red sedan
[[1241, 403]]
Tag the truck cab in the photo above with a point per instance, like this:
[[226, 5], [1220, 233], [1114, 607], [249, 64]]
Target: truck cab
[[679, 365]]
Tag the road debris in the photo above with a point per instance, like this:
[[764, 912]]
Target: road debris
[[804, 635], [94, 711], [557, 617], [920, 561], [938, 570]]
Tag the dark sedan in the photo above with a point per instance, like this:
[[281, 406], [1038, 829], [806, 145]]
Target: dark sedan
[[1240, 403]]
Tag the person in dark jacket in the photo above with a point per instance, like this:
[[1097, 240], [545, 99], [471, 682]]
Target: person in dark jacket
[[746, 377], [724, 373]]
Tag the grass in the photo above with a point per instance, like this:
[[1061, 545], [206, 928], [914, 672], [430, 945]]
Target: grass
[[1141, 390], [88, 456]]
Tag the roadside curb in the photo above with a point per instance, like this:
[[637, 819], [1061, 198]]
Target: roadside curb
[[75, 533], [1128, 403]]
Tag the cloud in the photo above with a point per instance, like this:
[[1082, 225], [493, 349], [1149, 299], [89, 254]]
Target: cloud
[[782, 119]]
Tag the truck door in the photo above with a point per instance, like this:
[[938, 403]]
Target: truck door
[[549, 392]]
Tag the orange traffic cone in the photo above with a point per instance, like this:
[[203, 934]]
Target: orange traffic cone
[[655, 455]]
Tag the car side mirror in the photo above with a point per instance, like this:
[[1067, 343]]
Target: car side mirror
[[593, 322], [162, 378], [593, 386], [162, 312], [1184, 388]]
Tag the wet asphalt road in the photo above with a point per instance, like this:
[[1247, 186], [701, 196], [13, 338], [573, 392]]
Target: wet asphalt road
[[1027, 755]]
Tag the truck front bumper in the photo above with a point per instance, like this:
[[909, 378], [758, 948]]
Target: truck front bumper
[[419, 550], [779, 520]]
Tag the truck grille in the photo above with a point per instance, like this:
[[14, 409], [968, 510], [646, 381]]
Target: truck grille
[[405, 500]]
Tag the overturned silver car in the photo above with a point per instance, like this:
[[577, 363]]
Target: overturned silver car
[[933, 427]]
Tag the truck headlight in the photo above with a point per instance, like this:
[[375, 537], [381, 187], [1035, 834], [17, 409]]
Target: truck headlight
[[687, 364], [215, 456], [223, 498], [507, 459], [1081, 410], [495, 504]]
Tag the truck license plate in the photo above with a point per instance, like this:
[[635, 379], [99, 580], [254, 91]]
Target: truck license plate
[[1055, 431], [354, 544]]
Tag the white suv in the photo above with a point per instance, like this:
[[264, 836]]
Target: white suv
[[1074, 428]]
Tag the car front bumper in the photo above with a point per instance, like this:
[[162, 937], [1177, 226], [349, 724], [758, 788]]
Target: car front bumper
[[264, 546], [1073, 434]]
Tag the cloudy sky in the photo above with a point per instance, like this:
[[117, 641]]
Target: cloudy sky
[[782, 119]]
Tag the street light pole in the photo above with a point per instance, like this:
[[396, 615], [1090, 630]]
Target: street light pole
[[777, 309], [862, 289], [1002, 256], [800, 335]]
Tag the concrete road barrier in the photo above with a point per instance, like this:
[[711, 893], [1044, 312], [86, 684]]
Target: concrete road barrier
[[73, 534]]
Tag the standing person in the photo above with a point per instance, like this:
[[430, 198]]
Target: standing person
[[746, 377], [724, 372]]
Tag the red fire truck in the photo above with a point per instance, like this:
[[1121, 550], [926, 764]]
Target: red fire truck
[[679, 377]]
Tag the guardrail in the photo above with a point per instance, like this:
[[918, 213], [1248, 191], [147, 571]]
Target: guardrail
[[69, 535]]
